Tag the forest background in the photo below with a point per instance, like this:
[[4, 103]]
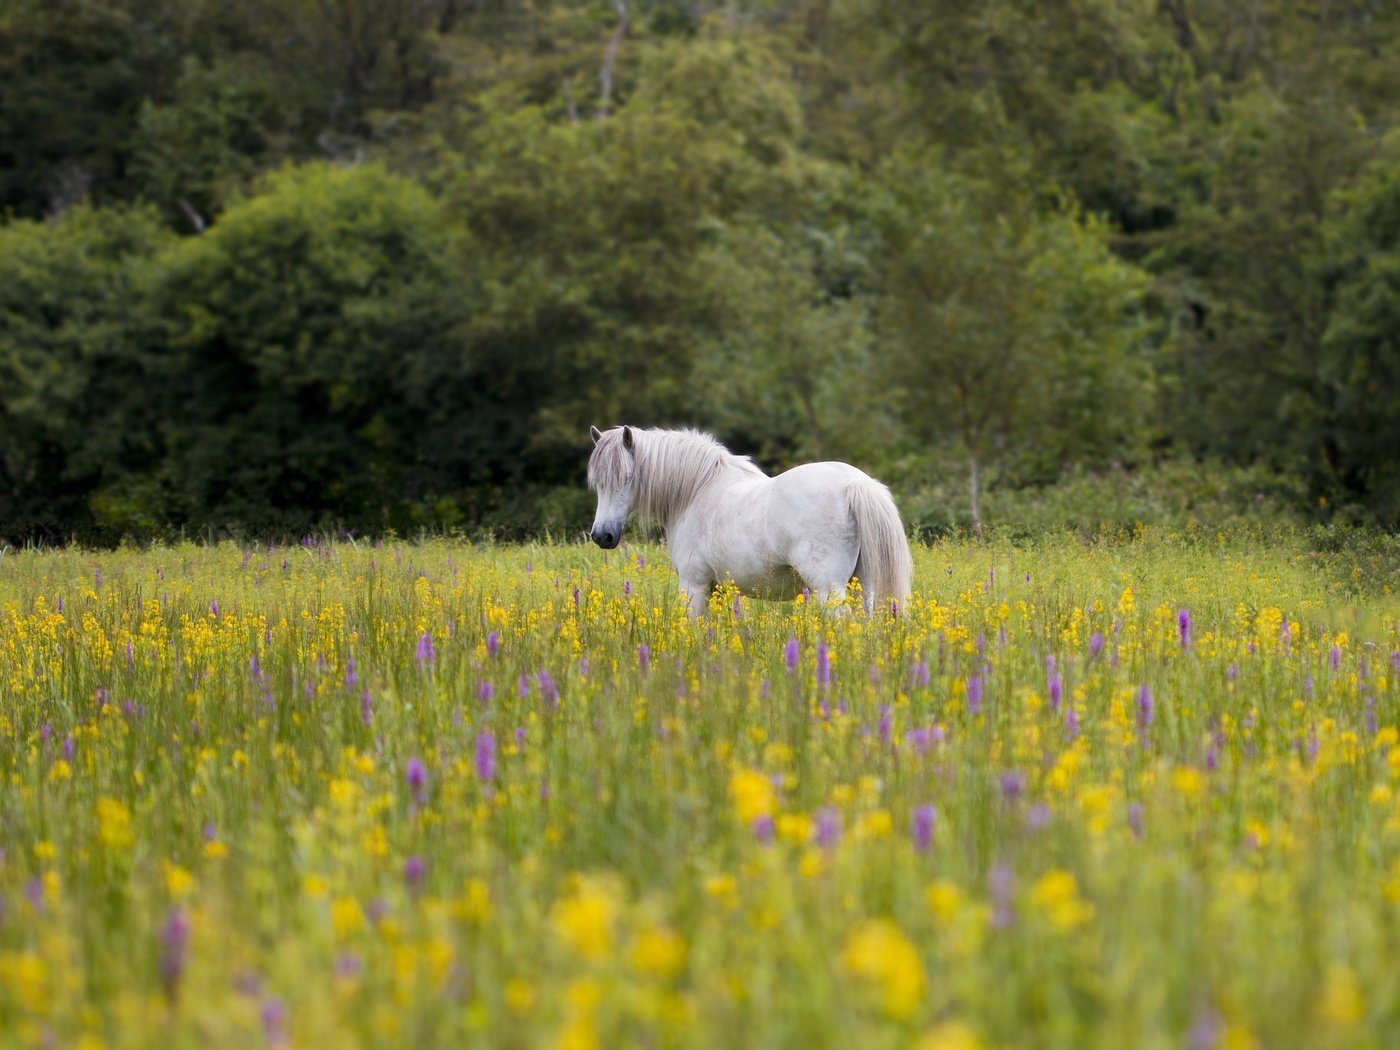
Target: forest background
[[278, 266]]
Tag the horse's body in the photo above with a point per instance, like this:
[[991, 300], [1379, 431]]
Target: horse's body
[[814, 526]]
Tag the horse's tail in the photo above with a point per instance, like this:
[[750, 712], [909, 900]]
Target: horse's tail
[[884, 566]]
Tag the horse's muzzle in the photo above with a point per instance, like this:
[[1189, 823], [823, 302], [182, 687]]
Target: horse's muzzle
[[606, 537]]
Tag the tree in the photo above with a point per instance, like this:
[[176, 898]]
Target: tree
[[303, 339], [76, 420], [1357, 427], [1007, 328]]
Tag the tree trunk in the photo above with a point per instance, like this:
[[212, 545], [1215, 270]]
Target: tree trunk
[[975, 485]]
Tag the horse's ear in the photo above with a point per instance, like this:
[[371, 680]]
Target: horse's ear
[[627, 438], [597, 434]]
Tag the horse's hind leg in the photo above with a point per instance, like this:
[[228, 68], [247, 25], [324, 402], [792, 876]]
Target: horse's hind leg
[[827, 571]]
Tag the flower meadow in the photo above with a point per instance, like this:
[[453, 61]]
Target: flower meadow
[[1135, 791]]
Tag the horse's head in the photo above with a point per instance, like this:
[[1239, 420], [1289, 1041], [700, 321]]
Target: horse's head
[[610, 472]]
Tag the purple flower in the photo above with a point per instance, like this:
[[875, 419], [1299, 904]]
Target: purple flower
[[174, 950], [1144, 708], [366, 711], [923, 739], [416, 776], [974, 695], [351, 678], [485, 691], [1183, 627], [1013, 784], [493, 643], [549, 692], [1002, 884], [626, 587], [823, 665], [923, 828], [920, 673], [34, 893], [1056, 689], [1095, 644], [886, 728], [1071, 722], [414, 871], [1336, 658], [348, 965], [214, 609], [1206, 1032], [763, 829], [425, 654], [1038, 816], [273, 1014], [485, 756], [68, 747], [828, 831], [1135, 819], [644, 657], [790, 655]]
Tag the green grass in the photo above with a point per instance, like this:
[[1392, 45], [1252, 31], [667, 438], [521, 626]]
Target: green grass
[[214, 835]]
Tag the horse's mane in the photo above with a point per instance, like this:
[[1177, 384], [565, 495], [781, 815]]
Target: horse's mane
[[672, 466]]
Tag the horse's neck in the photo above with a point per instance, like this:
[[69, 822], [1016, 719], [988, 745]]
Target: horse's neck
[[681, 493]]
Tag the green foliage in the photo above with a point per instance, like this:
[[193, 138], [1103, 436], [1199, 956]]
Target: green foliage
[[1068, 239], [305, 338], [1009, 327], [1359, 360], [75, 418]]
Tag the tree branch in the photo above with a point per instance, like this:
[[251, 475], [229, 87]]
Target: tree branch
[[605, 75]]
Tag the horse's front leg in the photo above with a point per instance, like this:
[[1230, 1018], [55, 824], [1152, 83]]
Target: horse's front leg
[[696, 595]]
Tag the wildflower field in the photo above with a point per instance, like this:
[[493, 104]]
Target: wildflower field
[[1141, 791]]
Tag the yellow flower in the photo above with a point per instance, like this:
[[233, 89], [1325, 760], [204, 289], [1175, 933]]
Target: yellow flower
[[877, 950], [474, 905], [1341, 1002], [585, 920], [753, 795], [944, 899], [114, 824], [874, 825], [26, 977], [520, 996], [60, 770], [658, 951], [346, 917], [1056, 894], [1188, 781], [314, 886], [179, 883], [794, 827], [950, 1036]]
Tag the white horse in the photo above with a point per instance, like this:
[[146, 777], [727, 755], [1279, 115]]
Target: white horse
[[816, 525]]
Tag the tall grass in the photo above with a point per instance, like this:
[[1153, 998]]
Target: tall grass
[[1119, 793]]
